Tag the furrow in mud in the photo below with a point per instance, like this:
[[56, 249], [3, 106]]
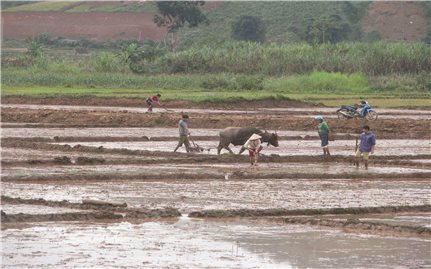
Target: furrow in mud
[[112, 208], [365, 227], [289, 212], [384, 128]]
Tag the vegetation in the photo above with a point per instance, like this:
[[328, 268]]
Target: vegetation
[[78, 6], [248, 28], [285, 21]]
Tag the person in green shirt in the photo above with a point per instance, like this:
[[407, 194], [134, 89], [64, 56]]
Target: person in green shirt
[[323, 130]]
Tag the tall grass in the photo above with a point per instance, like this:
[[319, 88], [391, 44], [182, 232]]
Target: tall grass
[[252, 58]]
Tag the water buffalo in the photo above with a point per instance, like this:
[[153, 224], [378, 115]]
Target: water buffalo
[[238, 136]]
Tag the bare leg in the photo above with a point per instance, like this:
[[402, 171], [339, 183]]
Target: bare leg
[[366, 164]]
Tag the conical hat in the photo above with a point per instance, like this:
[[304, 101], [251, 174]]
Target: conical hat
[[255, 137]]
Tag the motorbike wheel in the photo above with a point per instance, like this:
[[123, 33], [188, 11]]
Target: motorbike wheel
[[372, 115]]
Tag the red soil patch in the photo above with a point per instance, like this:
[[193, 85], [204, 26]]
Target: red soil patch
[[101, 26], [396, 21]]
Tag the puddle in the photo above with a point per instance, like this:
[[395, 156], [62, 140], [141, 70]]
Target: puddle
[[384, 147], [192, 243], [196, 195]]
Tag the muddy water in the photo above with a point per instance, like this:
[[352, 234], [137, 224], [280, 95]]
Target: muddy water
[[422, 220], [119, 132], [20, 172], [19, 154], [384, 147], [35, 209], [193, 243], [197, 195]]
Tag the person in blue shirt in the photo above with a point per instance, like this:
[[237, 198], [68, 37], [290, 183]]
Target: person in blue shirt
[[367, 144]]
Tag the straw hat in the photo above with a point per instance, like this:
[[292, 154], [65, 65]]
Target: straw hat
[[255, 137]]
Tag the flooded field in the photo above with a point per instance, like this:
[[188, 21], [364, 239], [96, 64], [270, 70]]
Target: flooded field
[[99, 187], [286, 148], [192, 195], [196, 243]]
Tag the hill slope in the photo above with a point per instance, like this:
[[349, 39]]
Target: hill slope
[[286, 21]]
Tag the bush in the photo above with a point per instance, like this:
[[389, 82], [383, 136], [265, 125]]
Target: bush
[[249, 83], [248, 28], [106, 62], [216, 83], [372, 36]]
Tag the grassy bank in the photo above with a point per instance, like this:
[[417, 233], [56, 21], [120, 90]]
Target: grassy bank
[[377, 99]]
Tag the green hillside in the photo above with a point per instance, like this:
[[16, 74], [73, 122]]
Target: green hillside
[[78, 6], [284, 21]]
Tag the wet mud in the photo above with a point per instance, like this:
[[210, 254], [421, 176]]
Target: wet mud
[[99, 178]]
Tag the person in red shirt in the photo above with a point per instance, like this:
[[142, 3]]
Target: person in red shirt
[[151, 101]]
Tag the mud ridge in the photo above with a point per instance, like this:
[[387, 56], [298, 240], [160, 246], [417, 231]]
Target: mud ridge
[[299, 212], [103, 206], [357, 226], [140, 102], [215, 176], [384, 128], [76, 216]]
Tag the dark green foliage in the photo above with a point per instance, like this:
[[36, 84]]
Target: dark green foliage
[[9, 4], [373, 36], [175, 14], [427, 12], [329, 29], [248, 28], [140, 58]]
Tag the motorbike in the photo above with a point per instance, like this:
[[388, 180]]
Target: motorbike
[[357, 112]]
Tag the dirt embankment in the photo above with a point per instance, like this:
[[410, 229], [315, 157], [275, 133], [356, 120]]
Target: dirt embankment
[[384, 128], [140, 102]]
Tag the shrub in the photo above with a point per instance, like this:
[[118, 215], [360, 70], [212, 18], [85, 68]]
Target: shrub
[[249, 83], [106, 62]]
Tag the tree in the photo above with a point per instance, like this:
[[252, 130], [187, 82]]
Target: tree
[[175, 14], [327, 29], [248, 28]]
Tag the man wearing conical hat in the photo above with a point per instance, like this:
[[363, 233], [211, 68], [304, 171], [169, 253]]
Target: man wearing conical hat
[[254, 147]]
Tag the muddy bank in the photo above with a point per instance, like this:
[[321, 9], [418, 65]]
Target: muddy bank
[[140, 102], [322, 211], [79, 216], [110, 207], [365, 227], [384, 128]]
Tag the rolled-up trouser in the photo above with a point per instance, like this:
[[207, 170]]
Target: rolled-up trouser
[[364, 154], [324, 140], [184, 139]]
